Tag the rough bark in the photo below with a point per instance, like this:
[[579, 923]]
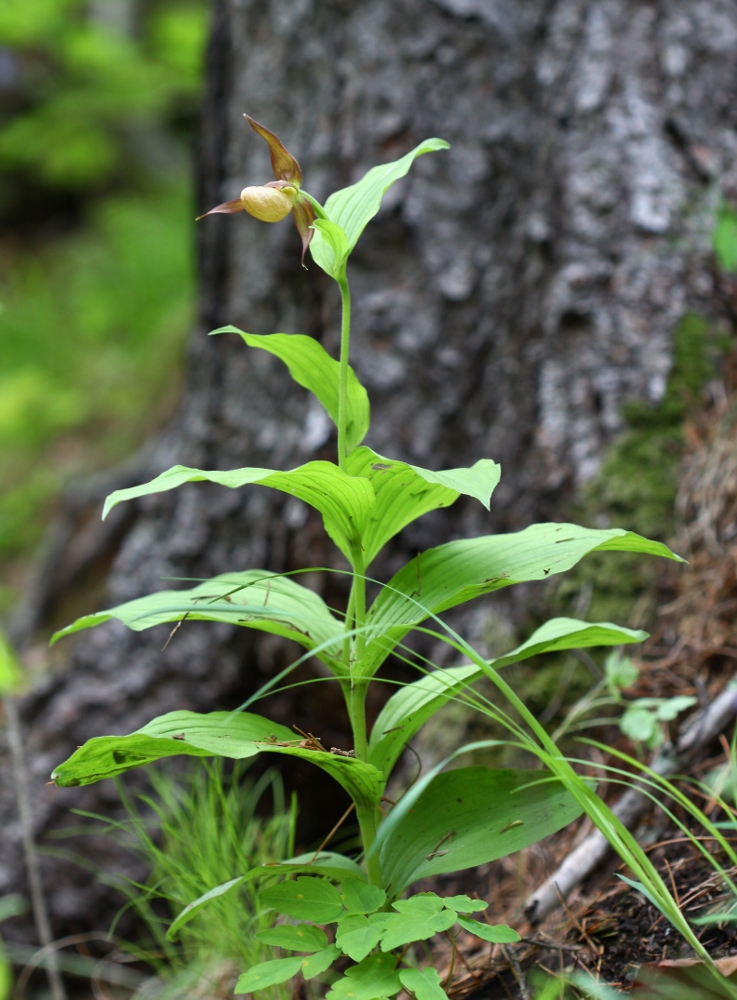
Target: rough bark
[[512, 293]]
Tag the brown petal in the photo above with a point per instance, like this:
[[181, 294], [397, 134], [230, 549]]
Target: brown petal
[[284, 165], [304, 215], [227, 208]]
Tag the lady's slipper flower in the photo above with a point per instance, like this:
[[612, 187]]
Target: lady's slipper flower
[[274, 201]]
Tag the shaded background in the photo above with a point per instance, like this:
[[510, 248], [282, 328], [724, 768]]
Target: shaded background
[[547, 294]]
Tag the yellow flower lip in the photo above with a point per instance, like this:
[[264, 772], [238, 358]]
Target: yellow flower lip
[[268, 202]]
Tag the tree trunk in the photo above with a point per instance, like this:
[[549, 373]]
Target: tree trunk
[[511, 294]]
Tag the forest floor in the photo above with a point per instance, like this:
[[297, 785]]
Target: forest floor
[[605, 927]]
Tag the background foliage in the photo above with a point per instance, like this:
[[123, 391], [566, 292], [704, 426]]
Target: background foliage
[[98, 103]]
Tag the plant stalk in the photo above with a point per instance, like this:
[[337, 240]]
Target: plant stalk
[[345, 343]]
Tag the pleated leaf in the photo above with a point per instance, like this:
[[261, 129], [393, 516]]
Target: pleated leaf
[[466, 817], [311, 366], [221, 734], [352, 208], [456, 572], [405, 492], [345, 502], [410, 707], [254, 598]]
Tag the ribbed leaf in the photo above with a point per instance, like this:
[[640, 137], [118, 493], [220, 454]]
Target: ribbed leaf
[[405, 492], [466, 817], [410, 707], [254, 598], [334, 248], [222, 734], [454, 573], [344, 502], [353, 207], [311, 366]]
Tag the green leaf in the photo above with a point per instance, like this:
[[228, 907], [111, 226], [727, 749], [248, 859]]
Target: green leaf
[[372, 979], [638, 724], [422, 904], [464, 904], [725, 240], [315, 965], [258, 977], [254, 598], [353, 207], [299, 937], [405, 492], [358, 897], [10, 670], [326, 863], [671, 708], [305, 898], [463, 818], [334, 248], [414, 923], [345, 502], [496, 933], [222, 734], [311, 366], [456, 572], [191, 909], [357, 935], [411, 706], [424, 983]]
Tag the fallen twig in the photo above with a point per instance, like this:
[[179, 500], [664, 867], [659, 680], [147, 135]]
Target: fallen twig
[[582, 861]]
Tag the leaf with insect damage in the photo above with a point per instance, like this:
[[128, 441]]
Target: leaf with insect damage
[[459, 819], [411, 706], [405, 492], [456, 572], [255, 598], [223, 734], [345, 502]]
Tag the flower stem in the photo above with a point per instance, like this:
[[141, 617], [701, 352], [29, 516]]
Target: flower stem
[[345, 341]]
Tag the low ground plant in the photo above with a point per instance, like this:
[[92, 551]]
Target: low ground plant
[[328, 907], [191, 829]]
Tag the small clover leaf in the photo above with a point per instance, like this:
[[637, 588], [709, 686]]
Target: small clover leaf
[[305, 898], [464, 904], [372, 979], [496, 933], [299, 937], [424, 983], [359, 897]]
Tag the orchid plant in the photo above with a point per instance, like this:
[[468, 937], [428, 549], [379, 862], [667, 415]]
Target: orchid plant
[[329, 906]]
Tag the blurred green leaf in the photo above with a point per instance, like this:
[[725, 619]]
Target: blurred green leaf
[[725, 239]]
